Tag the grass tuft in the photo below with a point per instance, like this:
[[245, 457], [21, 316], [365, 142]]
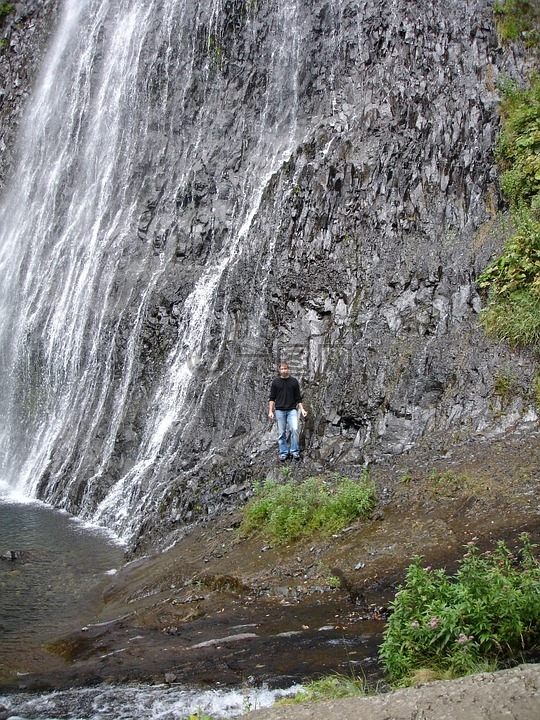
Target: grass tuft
[[330, 687]]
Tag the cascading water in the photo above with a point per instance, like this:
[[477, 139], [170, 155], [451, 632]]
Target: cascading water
[[124, 112]]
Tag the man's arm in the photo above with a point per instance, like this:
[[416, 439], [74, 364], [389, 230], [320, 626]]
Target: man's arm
[[271, 408], [299, 405]]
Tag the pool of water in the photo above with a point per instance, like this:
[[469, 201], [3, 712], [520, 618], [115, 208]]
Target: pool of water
[[50, 572]]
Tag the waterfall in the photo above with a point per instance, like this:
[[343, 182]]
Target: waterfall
[[127, 110]]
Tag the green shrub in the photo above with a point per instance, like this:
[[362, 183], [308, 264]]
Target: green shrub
[[490, 611], [286, 511]]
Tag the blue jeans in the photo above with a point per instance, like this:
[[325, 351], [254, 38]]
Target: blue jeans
[[290, 418]]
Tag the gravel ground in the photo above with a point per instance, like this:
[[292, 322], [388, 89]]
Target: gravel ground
[[510, 694]]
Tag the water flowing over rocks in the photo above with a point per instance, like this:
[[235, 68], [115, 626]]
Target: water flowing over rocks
[[312, 181]]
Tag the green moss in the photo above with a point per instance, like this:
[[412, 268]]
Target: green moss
[[6, 8]]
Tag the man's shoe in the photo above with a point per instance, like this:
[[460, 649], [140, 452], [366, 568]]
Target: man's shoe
[[296, 456], [283, 457]]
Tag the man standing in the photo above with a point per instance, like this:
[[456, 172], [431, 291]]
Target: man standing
[[283, 405]]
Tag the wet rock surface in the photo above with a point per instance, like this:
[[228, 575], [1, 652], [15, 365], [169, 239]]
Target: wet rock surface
[[24, 36], [222, 610]]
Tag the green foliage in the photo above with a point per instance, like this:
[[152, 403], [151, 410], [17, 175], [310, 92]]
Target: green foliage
[[513, 279], [490, 611], [286, 512], [518, 269], [518, 148], [536, 388], [333, 582], [514, 318], [518, 19], [6, 8]]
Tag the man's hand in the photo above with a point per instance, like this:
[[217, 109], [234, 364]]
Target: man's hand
[[271, 414]]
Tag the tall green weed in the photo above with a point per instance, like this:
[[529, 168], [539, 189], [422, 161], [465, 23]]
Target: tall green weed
[[490, 610]]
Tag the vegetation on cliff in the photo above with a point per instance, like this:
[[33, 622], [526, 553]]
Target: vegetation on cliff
[[512, 313], [518, 19], [6, 8], [285, 511], [513, 279]]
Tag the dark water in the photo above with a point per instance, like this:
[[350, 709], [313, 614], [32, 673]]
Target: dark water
[[52, 583]]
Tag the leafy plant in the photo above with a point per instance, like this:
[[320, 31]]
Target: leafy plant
[[333, 582], [490, 611], [286, 511]]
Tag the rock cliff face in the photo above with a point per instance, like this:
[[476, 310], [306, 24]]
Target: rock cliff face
[[307, 180]]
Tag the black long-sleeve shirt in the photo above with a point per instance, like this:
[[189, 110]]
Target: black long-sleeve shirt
[[285, 393]]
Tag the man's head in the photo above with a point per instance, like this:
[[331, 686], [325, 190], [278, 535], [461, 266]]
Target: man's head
[[284, 370]]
